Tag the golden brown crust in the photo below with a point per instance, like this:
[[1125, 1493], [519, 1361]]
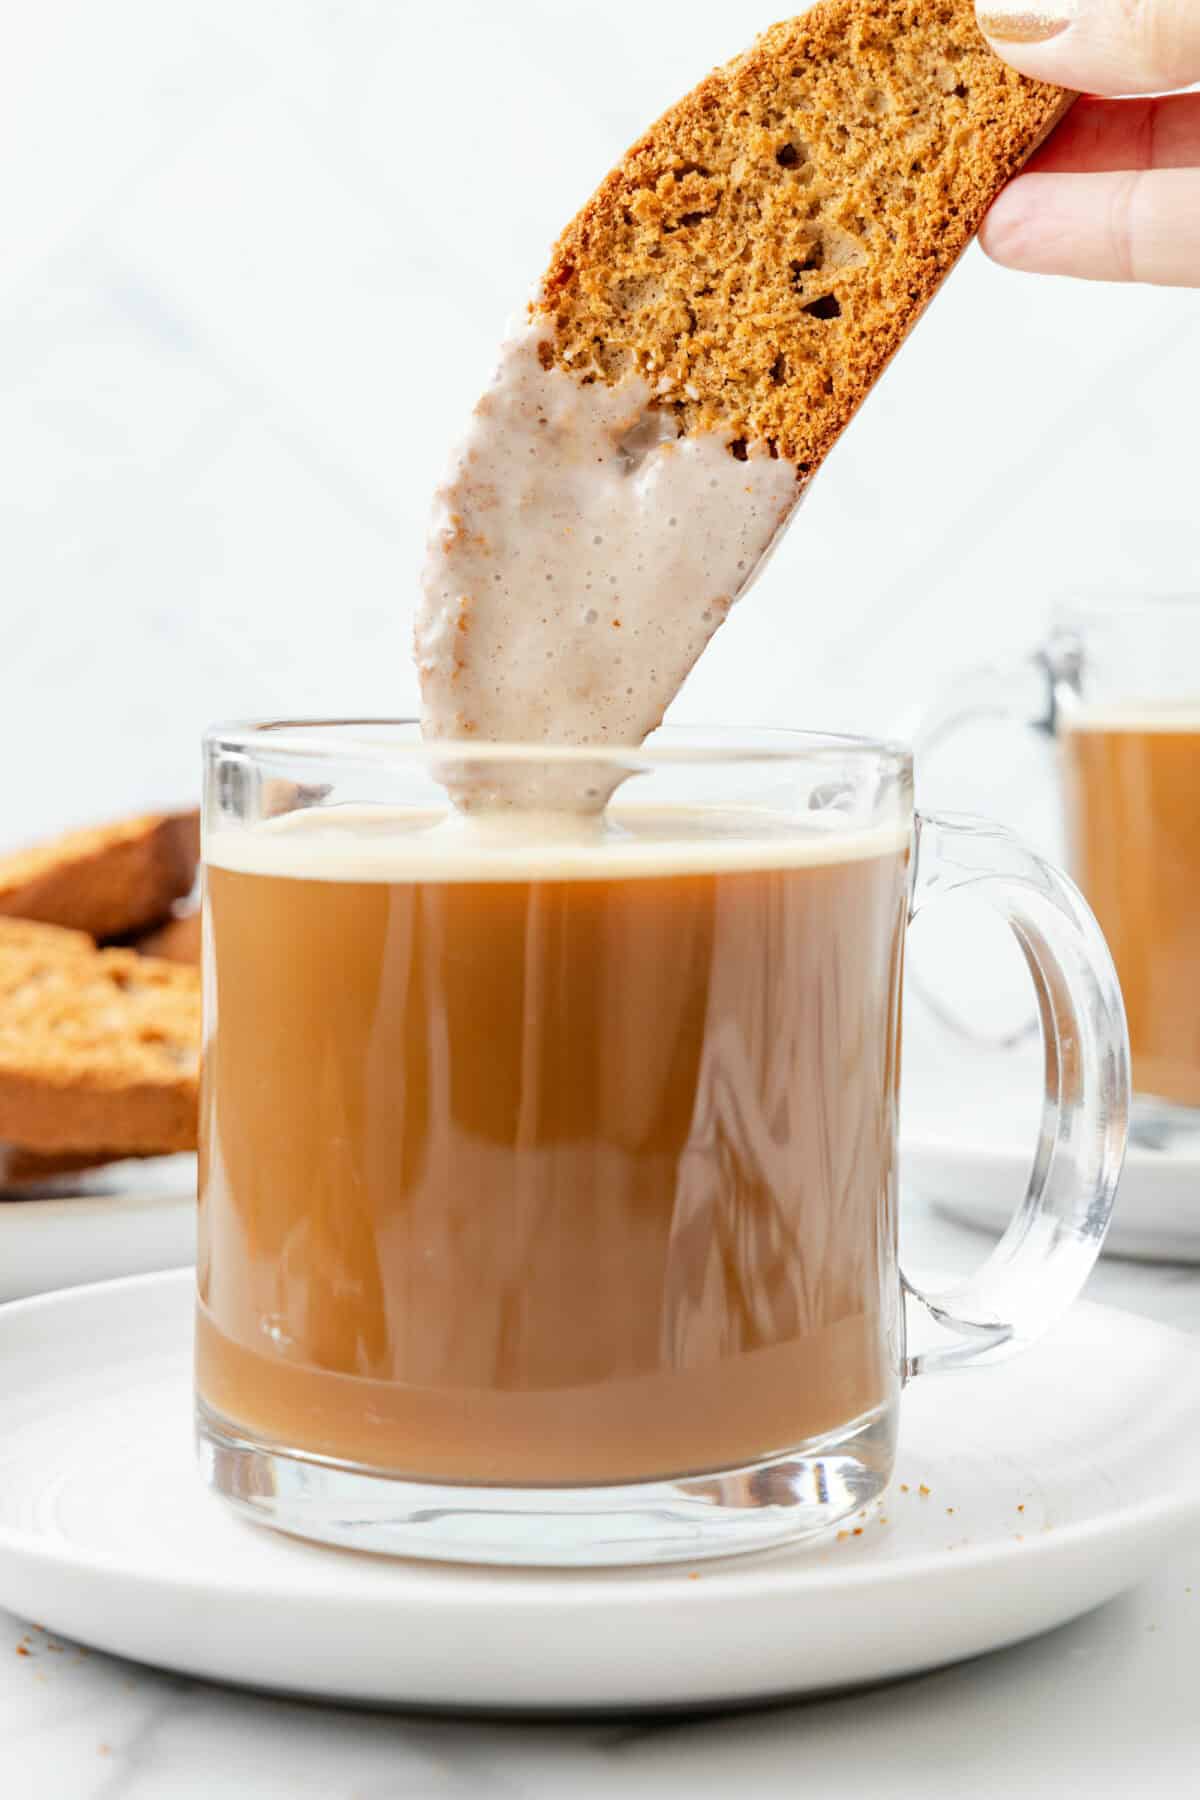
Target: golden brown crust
[[107, 880], [762, 251], [97, 1047]]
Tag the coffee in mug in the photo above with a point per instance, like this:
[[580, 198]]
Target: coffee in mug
[[581, 1168], [548, 1182]]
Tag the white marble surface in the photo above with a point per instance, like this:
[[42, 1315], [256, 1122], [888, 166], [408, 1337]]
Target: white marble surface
[[1104, 1707]]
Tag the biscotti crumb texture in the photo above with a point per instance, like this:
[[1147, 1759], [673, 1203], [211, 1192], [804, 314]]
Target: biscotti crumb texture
[[761, 252], [97, 1047], [108, 880]]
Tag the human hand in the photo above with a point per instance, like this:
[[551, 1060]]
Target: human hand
[[1115, 194]]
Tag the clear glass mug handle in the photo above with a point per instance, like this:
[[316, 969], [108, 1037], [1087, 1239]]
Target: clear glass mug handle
[[1056, 1232], [1022, 690]]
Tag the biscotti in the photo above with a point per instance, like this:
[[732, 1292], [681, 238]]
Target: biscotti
[[108, 880], [760, 254], [707, 327], [177, 940], [97, 1047]]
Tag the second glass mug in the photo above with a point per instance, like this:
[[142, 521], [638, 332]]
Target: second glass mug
[[548, 1202], [1116, 684]]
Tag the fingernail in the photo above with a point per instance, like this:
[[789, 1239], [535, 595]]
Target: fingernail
[[1023, 23]]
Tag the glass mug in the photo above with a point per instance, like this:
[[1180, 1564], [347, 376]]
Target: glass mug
[[1117, 685], [548, 1178]]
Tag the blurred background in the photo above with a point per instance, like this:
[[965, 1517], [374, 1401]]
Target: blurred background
[[255, 256]]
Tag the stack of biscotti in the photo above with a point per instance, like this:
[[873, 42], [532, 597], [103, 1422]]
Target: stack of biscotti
[[99, 1045]]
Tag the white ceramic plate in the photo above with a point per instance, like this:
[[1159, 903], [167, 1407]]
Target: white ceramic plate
[[969, 1125], [1157, 1215], [1053, 1483], [146, 1219]]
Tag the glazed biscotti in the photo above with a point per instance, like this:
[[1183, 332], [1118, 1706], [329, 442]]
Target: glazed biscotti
[[707, 327]]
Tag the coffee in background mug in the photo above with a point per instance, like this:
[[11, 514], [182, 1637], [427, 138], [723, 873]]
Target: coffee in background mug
[[1131, 792], [1118, 685], [548, 1202]]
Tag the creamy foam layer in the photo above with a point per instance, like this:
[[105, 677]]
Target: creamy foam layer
[[582, 554], [359, 843], [1184, 718]]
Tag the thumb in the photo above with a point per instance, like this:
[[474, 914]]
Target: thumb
[[1098, 46]]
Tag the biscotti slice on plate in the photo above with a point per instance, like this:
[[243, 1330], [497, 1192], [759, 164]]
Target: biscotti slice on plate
[[761, 252], [177, 940], [97, 1047], [108, 880]]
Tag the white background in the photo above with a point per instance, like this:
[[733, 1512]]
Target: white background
[[254, 258]]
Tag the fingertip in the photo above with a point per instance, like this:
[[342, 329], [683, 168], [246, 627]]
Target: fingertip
[[1107, 225], [1026, 34], [1004, 234], [1097, 46], [1048, 63]]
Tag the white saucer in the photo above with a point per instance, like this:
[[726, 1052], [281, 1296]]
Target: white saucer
[[1054, 1483], [1157, 1215], [969, 1125], [63, 1239]]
